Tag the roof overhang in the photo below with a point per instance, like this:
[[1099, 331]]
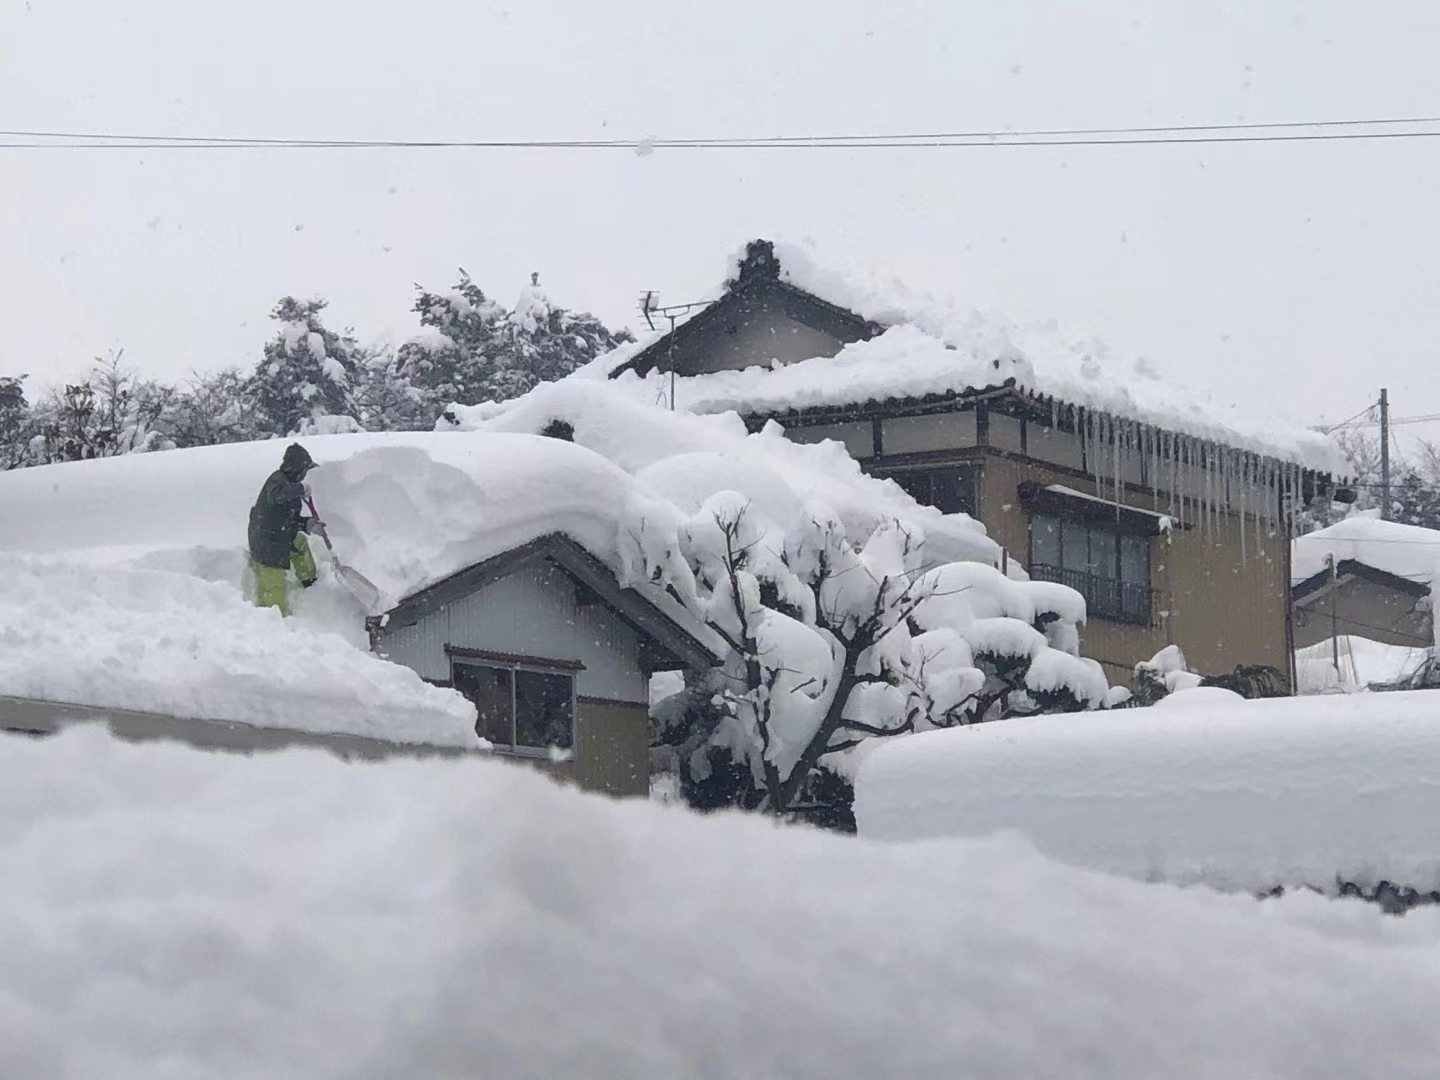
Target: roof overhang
[[662, 634], [1314, 587], [1075, 505]]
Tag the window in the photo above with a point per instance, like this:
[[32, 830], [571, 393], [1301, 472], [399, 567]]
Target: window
[[522, 708], [1110, 568], [950, 489]]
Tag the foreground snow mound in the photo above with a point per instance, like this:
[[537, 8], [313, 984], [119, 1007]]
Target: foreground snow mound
[[177, 914], [158, 641], [1243, 795]]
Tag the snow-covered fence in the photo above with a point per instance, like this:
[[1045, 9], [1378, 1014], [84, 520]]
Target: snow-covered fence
[[1336, 793]]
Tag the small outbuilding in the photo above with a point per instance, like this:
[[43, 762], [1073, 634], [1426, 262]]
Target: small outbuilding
[[1365, 578], [555, 654]]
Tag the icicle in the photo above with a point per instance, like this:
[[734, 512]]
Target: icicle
[[1174, 476], [1252, 485], [1153, 457], [1272, 499], [1115, 461], [1242, 502], [1211, 495]]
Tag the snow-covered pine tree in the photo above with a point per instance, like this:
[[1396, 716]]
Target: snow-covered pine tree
[[540, 342], [452, 358], [471, 349], [307, 376], [386, 400], [16, 424]]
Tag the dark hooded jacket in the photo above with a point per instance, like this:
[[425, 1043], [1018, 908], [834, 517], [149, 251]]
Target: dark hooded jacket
[[277, 516]]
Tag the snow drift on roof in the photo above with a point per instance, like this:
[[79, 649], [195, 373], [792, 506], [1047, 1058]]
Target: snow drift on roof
[[610, 419], [936, 346], [1406, 551], [406, 509], [178, 914]]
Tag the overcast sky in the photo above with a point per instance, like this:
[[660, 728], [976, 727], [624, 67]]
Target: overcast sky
[[1303, 272]]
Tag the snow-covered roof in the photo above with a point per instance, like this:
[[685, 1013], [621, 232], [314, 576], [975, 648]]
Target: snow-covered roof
[[684, 458], [935, 347], [407, 509], [1407, 551], [124, 574]]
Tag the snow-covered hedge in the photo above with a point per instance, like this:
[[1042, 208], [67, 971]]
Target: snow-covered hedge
[[1242, 795]]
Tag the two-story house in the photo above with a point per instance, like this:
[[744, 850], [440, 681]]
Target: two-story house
[[1172, 516]]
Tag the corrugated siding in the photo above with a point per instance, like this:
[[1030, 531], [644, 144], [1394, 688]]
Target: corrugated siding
[[533, 612]]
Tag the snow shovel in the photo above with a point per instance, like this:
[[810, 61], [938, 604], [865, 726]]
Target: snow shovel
[[361, 587]]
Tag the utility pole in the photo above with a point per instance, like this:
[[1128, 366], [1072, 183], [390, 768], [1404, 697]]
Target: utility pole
[[1334, 618], [1385, 455]]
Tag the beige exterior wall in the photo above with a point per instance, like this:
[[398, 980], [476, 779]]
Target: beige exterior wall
[[612, 750], [1223, 608], [612, 754]]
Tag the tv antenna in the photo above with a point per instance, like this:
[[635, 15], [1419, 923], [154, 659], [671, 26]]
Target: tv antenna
[[650, 307]]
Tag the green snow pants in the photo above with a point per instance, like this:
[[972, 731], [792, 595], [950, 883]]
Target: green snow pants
[[270, 583]]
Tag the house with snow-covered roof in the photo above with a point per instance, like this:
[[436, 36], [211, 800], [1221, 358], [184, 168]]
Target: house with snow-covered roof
[[1365, 578], [1170, 513], [502, 614]]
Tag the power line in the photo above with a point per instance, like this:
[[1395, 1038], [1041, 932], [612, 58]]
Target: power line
[[1352, 422], [1288, 131]]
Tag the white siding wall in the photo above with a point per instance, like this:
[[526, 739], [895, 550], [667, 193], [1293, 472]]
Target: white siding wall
[[530, 613]]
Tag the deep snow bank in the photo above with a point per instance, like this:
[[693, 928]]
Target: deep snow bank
[[170, 643], [176, 914], [1245, 795]]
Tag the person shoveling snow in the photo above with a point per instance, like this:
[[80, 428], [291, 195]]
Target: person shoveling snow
[[276, 527]]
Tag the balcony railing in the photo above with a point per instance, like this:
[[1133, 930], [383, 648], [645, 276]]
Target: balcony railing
[[1105, 598]]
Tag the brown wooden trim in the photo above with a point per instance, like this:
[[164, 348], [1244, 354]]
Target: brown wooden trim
[[444, 684], [513, 659], [614, 703]]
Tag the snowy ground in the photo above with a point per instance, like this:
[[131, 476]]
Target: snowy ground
[[174, 914], [1362, 662], [1242, 795]]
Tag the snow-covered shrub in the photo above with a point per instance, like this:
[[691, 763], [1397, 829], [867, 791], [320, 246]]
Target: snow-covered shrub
[[1166, 672], [833, 642]]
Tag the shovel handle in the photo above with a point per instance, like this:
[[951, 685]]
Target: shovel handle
[[310, 503]]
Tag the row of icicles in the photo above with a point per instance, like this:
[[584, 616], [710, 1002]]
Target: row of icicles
[[1195, 481]]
